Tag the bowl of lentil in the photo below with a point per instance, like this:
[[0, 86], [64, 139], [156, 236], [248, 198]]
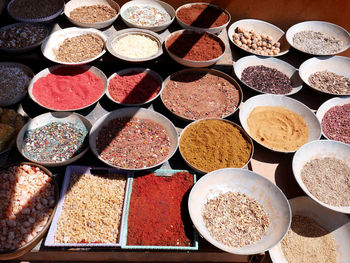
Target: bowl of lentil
[[219, 200], [203, 16], [328, 75], [135, 45], [317, 234], [318, 38], [74, 46], [133, 139], [279, 123], [152, 15], [322, 170], [195, 93], [92, 13], [54, 138], [193, 48], [268, 75], [258, 37], [210, 144]]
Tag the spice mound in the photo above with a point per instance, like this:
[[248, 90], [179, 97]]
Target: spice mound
[[133, 143], [55, 142], [147, 16], [197, 95], [10, 124], [314, 42], [195, 46], [133, 88], [307, 241], [68, 88], [328, 179], [330, 82], [202, 15], [268, 80], [92, 13], [209, 145], [278, 128], [235, 219], [92, 209], [336, 123], [156, 214], [34, 9], [27, 197], [79, 48]]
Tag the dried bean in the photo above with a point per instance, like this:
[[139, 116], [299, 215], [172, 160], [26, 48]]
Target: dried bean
[[336, 123], [330, 82]]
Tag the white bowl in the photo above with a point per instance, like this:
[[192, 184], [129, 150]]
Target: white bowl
[[53, 41], [280, 101], [290, 71], [320, 149], [336, 64], [71, 5], [46, 118], [254, 185], [153, 3], [336, 223], [323, 27], [261, 27]]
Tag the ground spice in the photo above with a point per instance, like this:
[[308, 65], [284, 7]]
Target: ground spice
[[330, 82], [146, 16], [133, 88], [133, 143], [195, 46], [209, 145], [198, 95], [68, 88], [157, 216], [34, 9], [336, 123], [92, 13], [278, 128], [307, 242], [328, 179]]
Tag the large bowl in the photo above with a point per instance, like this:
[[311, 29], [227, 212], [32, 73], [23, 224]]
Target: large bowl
[[287, 69], [326, 28], [254, 185], [46, 118], [336, 223], [73, 4], [320, 149]]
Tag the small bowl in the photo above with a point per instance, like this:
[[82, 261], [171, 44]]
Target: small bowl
[[213, 30], [336, 64], [134, 31], [46, 118], [261, 27], [323, 27], [141, 3], [287, 69], [147, 71], [254, 185], [73, 4], [336, 223], [320, 149], [53, 41], [280, 101], [193, 63], [139, 113]]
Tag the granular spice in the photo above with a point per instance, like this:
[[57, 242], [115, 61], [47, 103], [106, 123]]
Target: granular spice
[[212, 144], [197, 95], [336, 123], [133, 143], [330, 82], [34, 9], [307, 242], [147, 16], [92, 13], [328, 179], [157, 216]]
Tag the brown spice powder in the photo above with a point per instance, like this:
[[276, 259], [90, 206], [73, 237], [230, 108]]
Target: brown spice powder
[[92, 14]]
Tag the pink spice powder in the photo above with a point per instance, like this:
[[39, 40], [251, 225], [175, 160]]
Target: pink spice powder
[[68, 89]]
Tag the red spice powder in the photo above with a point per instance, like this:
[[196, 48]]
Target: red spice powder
[[157, 209], [68, 88], [133, 88]]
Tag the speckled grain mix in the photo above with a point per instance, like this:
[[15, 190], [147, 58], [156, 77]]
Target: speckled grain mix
[[92, 13], [147, 16], [336, 123], [330, 82]]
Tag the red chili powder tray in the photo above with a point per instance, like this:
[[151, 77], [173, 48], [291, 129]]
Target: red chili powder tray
[[158, 197]]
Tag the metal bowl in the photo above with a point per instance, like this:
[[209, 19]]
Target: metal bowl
[[254, 185], [287, 69]]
